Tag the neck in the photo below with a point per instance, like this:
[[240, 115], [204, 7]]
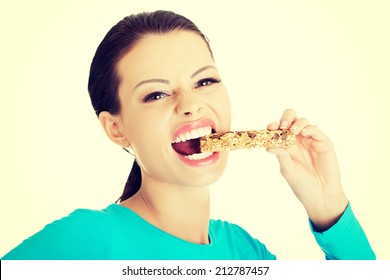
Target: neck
[[181, 211]]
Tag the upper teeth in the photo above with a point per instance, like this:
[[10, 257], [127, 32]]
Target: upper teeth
[[193, 134]]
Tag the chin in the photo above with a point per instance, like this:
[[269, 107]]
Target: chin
[[206, 176], [187, 175], [204, 181]]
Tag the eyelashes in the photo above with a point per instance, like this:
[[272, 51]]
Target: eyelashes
[[154, 96], [157, 95], [207, 82]]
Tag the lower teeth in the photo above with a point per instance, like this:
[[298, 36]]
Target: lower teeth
[[199, 156]]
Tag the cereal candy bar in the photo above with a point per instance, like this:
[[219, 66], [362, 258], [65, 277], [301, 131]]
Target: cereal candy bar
[[233, 140]]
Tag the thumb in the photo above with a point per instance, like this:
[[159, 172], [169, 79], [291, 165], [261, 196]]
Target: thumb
[[284, 158], [280, 153]]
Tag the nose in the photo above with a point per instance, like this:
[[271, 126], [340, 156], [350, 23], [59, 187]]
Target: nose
[[188, 104]]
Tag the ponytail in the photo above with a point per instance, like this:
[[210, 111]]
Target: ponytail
[[133, 183]]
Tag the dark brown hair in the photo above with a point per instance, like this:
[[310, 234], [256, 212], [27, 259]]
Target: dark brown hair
[[103, 77]]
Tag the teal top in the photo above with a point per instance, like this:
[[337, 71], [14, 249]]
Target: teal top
[[118, 233]]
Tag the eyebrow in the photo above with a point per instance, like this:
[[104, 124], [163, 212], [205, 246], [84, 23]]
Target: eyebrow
[[197, 72], [152, 81], [200, 70]]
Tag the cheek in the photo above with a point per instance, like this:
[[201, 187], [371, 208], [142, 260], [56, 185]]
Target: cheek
[[143, 123], [147, 130], [222, 107]]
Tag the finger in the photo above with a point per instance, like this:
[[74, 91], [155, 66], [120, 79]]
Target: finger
[[320, 142], [314, 132], [273, 126], [298, 125], [288, 117], [279, 152], [284, 158]]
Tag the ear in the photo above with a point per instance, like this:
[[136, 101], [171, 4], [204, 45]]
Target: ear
[[112, 125]]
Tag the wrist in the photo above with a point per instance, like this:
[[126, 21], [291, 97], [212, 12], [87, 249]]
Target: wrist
[[325, 215]]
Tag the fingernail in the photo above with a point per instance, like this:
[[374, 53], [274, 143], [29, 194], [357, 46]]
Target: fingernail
[[284, 124]]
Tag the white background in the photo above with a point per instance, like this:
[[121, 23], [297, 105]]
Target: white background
[[329, 60]]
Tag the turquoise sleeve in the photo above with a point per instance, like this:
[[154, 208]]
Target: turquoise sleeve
[[345, 240]]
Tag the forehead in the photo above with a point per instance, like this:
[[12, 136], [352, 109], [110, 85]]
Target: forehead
[[160, 55]]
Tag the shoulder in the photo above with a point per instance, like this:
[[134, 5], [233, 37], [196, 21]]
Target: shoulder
[[79, 235], [239, 240], [224, 228], [227, 227], [91, 216], [80, 220]]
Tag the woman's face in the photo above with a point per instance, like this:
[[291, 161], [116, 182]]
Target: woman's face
[[170, 91]]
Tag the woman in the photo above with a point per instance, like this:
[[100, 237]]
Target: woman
[[154, 86]]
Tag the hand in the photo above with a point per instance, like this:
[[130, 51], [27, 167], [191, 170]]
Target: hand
[[311, 169]]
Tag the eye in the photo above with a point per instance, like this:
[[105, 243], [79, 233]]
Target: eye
[[206, 82], [154, 96]]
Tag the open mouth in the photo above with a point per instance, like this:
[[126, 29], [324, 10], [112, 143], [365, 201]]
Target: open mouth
[[188, 143]]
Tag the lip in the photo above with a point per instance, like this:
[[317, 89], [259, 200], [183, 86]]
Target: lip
[[193, 125], [202, 162]]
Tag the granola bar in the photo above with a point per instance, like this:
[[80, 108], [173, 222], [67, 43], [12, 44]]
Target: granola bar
[[233, 140]]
